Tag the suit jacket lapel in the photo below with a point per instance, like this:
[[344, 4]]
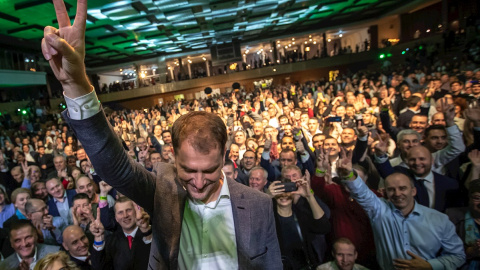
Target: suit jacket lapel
[[241, 212]]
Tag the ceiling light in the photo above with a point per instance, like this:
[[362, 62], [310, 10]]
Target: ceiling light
[[247, 51], [121, 69], [204, 59], [270, 50], [310, 36], [428, 30], [314, 42], [341, 35], [310, 40], [307, 49], [286, 47], [293, 38], [279, 45], [329, 40], [306, 42], [278, 41], [293, 43], [289, 45]]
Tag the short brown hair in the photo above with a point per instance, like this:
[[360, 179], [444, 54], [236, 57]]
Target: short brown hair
[[18, 191], [204, 132]]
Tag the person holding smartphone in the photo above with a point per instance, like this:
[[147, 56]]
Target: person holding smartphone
[[299, 218]]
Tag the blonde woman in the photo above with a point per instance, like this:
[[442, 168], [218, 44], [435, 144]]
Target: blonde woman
[[56, 261]]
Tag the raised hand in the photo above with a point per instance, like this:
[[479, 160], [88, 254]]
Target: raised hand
[[48, 222], [323, 161], [143, 219], [26, 171], [73, 213], [275, 190], [64, 48], [344, 163], [362, 131], [104, 188], [381, 147], [96, 227]]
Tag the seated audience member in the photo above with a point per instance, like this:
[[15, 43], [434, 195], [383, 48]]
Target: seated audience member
[[344, 254], [23, 238], [129, 246], [257, 179], [56, 261], [39, 191], [7, 210], [430, 236], [467, 223], [60, 199], [293, 210], [76, 243], [19, 199], [49, 228]]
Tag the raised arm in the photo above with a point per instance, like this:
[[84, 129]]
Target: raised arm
[[64, 48]]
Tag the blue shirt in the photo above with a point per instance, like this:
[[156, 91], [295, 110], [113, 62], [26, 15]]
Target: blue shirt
[[7, 212], [424, 231], [63, 207]]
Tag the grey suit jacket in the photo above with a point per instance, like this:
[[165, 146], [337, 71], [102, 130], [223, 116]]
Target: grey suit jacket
[[163, 197], [12, 263]]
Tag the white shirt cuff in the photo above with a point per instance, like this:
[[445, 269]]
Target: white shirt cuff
[[83, 107]]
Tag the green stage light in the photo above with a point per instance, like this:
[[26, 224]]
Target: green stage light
[[24, 112], [420, 48], [403, 52], [389, 55], [381, 56]]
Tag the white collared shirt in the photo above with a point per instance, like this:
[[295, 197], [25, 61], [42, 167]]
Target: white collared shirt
[[430, 186], [82, 258], [208, 234], [34, 262]]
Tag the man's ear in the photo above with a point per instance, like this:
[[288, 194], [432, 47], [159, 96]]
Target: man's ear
[[64, 246]]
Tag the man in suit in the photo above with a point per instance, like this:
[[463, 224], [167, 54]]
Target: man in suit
[[129, 246], [61, 200], [48, 227], [23, 238], [192, 204], [76, 243]]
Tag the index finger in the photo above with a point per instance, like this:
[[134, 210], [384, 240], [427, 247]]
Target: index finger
[[62, 14], [98, 214], [81, 16]]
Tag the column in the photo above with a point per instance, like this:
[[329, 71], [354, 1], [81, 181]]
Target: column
[[162, 69], [207, 66], [189, 71]]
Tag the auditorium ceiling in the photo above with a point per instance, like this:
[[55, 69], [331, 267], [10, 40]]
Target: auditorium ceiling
[[123, 31]]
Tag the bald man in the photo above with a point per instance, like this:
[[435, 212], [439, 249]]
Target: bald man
[[76, 243]]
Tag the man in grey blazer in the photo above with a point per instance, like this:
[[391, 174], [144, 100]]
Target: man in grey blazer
[[23, 238], [200, 219]]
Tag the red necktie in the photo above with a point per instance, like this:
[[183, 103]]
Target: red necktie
[[130, 238]]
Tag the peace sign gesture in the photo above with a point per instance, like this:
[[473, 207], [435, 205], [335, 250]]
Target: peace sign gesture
[[96, 227], [344, 163], [64, 48]]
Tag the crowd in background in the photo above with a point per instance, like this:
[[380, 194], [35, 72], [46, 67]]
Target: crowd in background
[[421, 118]]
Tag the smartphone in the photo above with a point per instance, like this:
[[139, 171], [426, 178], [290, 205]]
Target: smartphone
[[289, 186], [334, 119]]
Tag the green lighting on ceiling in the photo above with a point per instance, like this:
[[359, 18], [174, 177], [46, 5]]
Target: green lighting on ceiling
[[420, 48], [381, 56], [24, 112], [403, 52], [389, 55], [64, 107]]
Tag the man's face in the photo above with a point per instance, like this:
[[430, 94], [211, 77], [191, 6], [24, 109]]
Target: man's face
[[166, 150], [304, 119], [312, 125], [288, 130], [25, 141], [68, 150], [287, 158], [75, 242], [348, 136], [35, 174], [71, 161], [83, 210], [85, 165], [297, 114], [229, 171], [40, 211], [59, 163], [157, 131], [23, 241], [438, 119], [400, 191], [41, 150], [283, 121], [257, 180], [455, 88], [419, 159], [419, 123], [125, 215], [317, 141], [141, 144], [239, 138], [332, 145], [17, 175], [350, 111], [340, 111], [258, 129], [155, 157], [408, 142], [436, 139], [476, 89], [25, 148], [199, 172], [84, 185], [55, 189], [234, 152], [167, 138], [81, 154], [345, 256], [249, 160], [287, 143], [293, 175], [40, 191]]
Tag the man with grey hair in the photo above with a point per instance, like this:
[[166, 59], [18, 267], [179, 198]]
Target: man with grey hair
[[257, 179], [49, 228]]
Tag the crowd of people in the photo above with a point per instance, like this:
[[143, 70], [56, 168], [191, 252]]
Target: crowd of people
[[369, 171]]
